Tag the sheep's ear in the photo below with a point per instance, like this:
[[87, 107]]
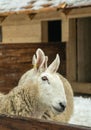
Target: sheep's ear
[[46, 60], [38, 59], [53, 67], [44, 64]]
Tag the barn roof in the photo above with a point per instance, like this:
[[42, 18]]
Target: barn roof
[[34, 6]]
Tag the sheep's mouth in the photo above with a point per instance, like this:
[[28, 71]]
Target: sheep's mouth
[[58, 109]]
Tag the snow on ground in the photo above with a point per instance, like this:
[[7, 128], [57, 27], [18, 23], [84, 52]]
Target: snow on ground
[[82, 111]]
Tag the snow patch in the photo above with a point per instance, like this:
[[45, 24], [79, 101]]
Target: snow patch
[[82, 112]]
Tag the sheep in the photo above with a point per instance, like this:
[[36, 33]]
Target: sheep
[[49, 115], [43, 92]]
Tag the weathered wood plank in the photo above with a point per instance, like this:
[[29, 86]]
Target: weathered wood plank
[[34, 124], [78, 12]]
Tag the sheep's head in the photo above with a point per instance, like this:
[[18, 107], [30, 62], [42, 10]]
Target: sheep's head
[[51, 88]]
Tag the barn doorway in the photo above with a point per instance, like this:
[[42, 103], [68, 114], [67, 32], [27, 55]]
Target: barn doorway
[[54, 31]]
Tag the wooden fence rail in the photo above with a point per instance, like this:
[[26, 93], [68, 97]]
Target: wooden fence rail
[[16, 123]]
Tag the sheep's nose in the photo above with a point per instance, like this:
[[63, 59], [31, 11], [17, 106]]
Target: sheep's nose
[[63, 106]]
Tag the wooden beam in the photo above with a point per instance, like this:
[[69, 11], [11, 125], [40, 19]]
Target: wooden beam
[[84, 88], [55, 13], [46, 16], [78, 12]]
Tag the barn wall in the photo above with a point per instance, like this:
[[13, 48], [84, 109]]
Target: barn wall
[[20, 29]]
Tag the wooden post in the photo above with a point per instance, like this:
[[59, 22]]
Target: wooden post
[[65, 30], [71, 51]]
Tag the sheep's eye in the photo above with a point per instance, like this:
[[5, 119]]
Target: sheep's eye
[[44, 78]]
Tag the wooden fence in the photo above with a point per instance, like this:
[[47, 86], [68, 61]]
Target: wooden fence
[[16, 123]]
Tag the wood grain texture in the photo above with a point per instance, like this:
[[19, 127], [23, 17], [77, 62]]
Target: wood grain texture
[[15, 59], [34, 124]]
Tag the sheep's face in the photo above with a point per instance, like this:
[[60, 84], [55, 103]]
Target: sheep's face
[[52, 91]]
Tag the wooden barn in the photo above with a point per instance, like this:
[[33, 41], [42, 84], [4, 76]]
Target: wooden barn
[[54, 26], [65, 23]]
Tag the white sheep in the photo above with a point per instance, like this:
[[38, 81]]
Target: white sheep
[[42, 92], [49, 115]]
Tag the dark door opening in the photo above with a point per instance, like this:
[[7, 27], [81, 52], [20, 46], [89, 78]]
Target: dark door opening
[[54, 31]]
